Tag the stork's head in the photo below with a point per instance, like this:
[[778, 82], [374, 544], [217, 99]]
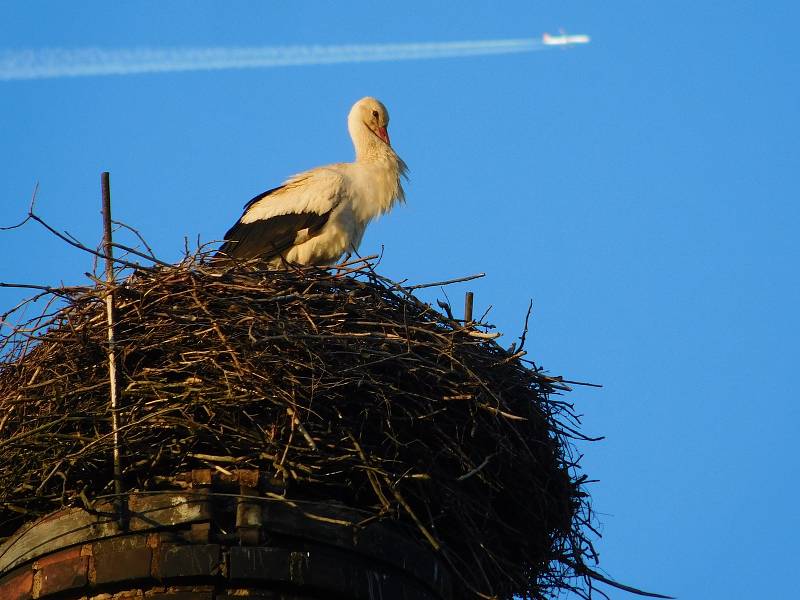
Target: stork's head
[[367, 122]]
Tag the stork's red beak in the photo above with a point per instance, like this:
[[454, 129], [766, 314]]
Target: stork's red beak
[[384, 135]]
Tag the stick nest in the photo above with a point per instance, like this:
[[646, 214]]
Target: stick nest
[[343, 385]]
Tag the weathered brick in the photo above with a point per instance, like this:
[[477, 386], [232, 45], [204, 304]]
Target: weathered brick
[[65, 570], [17, 585], [248, 477], [189, 561], [248, 594], [60, 556], [129, 595], [147, 512], [184, 596], [122, 559], [198, 533], [201, 476], [259, 563]]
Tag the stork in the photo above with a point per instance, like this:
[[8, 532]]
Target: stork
[[316, 216]]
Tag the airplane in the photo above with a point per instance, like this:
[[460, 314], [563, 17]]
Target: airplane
[[564, 40]]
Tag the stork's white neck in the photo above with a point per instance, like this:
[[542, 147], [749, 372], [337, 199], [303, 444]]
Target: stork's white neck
[[368, 146], [378, 168]]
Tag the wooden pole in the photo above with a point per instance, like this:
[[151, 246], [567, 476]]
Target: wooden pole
[[108, 251], [468, 298]]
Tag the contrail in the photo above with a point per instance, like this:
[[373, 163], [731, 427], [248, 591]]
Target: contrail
[[83, 62]]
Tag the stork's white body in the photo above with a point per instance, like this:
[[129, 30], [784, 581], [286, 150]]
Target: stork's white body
[[317, 216]]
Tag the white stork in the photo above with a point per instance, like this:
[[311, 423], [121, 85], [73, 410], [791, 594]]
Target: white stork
[[318, 215]]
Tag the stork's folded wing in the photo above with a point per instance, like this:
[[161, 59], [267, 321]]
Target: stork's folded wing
[[285, 216]]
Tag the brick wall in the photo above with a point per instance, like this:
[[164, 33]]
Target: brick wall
[[152, 566], [209, 546]]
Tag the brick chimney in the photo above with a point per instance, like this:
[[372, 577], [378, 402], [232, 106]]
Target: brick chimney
[[217, 536]]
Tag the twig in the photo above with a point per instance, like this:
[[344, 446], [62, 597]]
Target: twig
[[302, 429], [484, 335], [30, 211], [445, 282], [584, 570], [149, 257], [525, 328], [435, 544], [85, 248], [135, 232], [36, 430], [216, 458], [357, 260], [477, 469], [446, 308], [60, 291]]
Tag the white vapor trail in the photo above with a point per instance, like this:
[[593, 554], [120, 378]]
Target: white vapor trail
[[56, 62]]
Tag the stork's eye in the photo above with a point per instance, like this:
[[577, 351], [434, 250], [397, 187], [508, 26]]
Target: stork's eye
[[375, 113]]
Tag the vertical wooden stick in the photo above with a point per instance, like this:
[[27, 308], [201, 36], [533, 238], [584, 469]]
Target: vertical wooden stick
[[108, 251], [468, 298]]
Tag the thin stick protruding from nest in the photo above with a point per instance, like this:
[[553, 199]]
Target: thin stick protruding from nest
[[468, 301], [108, 250]]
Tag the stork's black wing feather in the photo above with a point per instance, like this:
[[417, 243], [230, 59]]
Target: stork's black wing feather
[[268, 238], [271, 236], [262, 196]]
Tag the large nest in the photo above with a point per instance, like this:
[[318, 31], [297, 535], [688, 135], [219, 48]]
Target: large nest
[[342, 384]]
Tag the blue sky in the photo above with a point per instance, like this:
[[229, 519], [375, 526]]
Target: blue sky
[[642, 190]]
